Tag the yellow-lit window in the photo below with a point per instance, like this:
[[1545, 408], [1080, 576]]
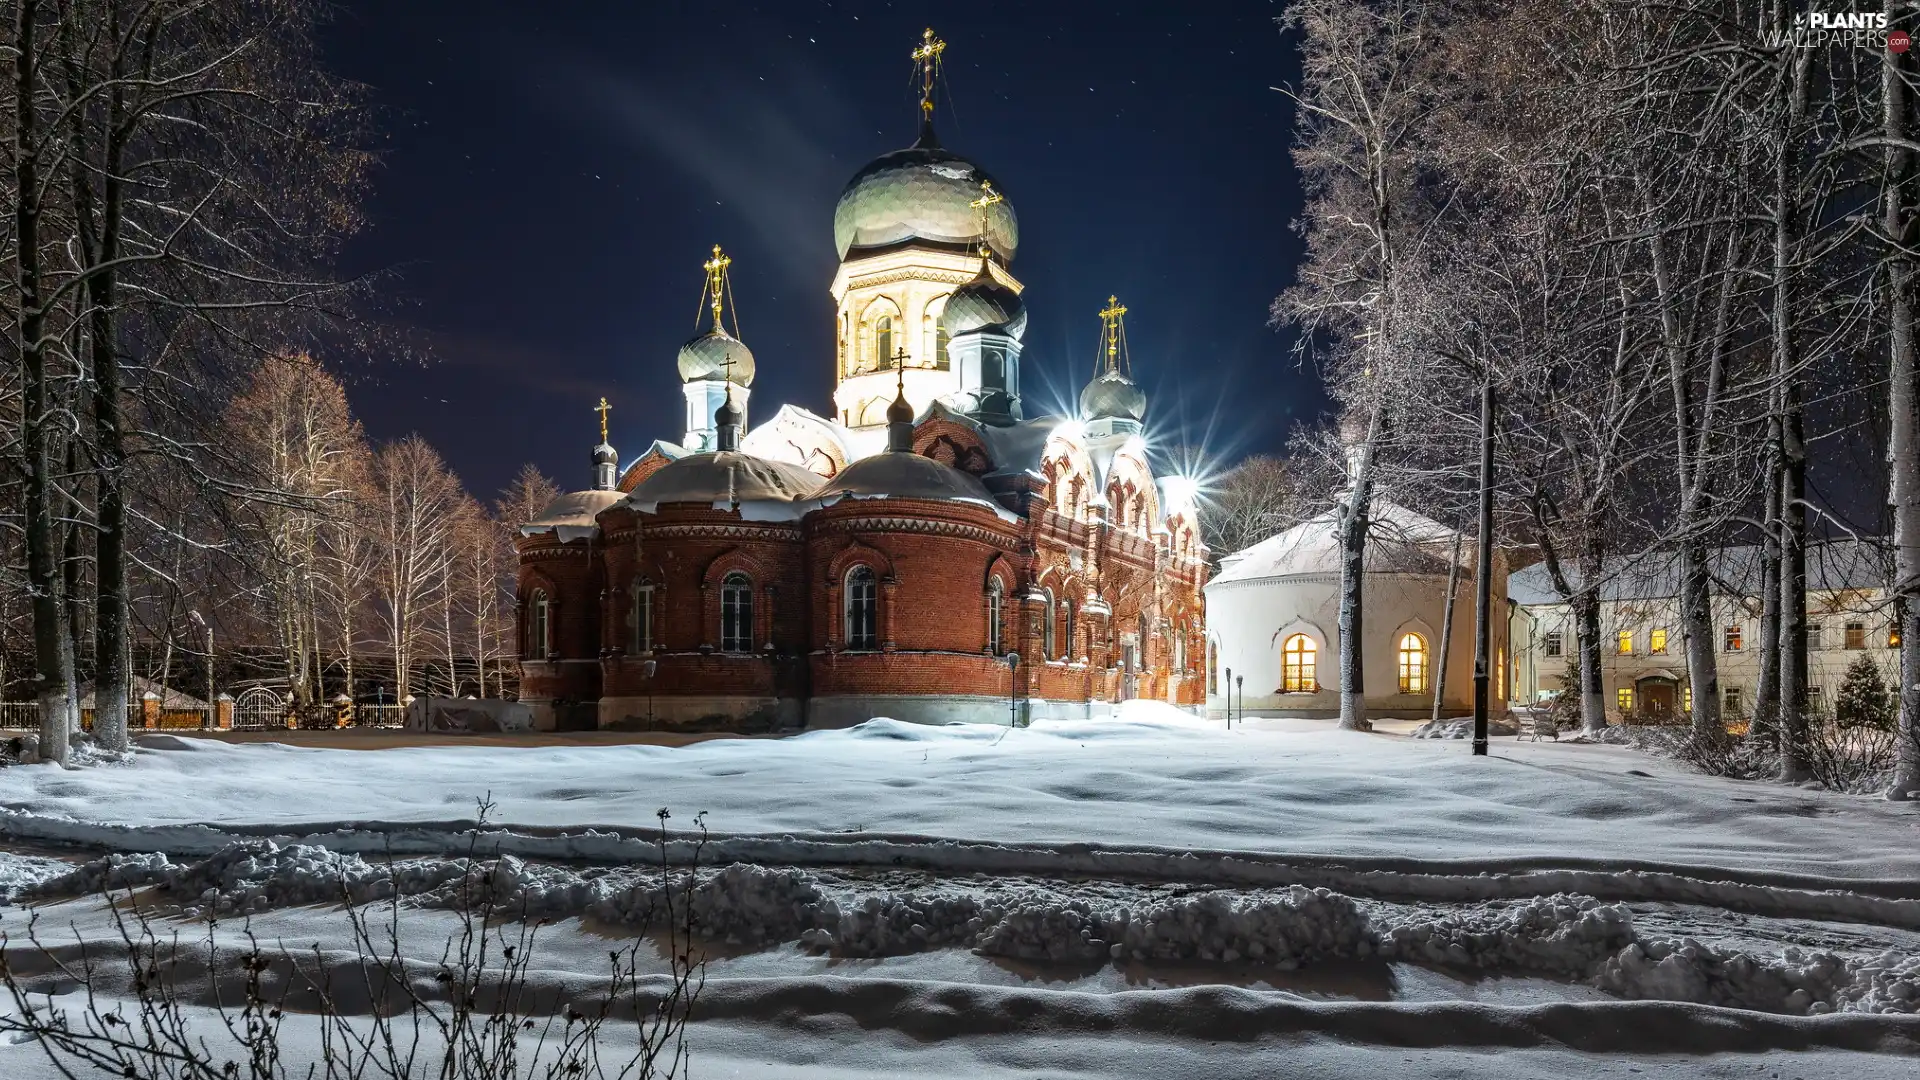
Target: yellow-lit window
[[1623, 642], [1413, 664], [1686, 699], [883, 341], [1893, 637], [1657, 640], [1500, 672], [1296, 671], [1734, 639], [1624, 696]]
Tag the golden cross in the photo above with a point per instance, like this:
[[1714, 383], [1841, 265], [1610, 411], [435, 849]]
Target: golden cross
[[988, 199], [1110, 320], [603, 408], [716, 268], [927, 55]]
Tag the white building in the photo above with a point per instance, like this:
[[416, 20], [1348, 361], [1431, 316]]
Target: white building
[[1643, 649], [1273, 616]]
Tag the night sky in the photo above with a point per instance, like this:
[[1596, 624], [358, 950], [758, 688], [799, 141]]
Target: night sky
[[553, 175]]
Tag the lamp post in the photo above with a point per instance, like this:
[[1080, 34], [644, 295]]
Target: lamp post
[[1229, 686], [646, 672], [1240, 681], [1013, 690], [193, 615], [1483, 573]]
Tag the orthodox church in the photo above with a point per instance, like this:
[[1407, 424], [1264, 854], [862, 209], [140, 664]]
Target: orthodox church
[[928, 552]]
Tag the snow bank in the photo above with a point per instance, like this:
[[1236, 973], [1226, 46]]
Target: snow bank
[[1567, 936], [1459, 728]]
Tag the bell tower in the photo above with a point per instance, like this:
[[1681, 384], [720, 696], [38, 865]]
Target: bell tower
[[911, 228]]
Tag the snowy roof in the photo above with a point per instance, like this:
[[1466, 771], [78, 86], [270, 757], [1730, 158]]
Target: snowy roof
[[1398, 543], [1733, 570], [908, 476], [169, 698], [762, 490], [571, 516]]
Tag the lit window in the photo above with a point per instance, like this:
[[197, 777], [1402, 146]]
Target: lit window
[[736, 613], [1733, 640], [1893, 636], [537, 626], [862, 613], [883, 341], [1623, 642], [1297, 665], [1500, 672], [1413, 664], [643, 618], [1686, 699], [1624, 698], [1657, 640], [1553, 640], [996, 607]]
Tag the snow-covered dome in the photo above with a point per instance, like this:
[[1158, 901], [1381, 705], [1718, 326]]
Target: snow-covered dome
[[903, 476], [921, 193], [574, 509], [1112, 395], [984, 304], [724, 476], [706, 356]]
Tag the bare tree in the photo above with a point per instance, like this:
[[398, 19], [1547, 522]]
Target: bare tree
[[414, 508]]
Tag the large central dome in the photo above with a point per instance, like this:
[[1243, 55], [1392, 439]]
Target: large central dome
[[924, 192]]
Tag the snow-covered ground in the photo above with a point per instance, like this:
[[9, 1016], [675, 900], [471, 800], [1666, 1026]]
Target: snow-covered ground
[[1201, 893]]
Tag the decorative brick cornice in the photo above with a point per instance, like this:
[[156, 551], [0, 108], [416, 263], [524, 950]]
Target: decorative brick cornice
[[908, 273], [551, 553], [919, 525], [723, 531]]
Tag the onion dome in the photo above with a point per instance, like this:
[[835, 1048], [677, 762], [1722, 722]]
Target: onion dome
[[724, 477], [984, 304], [904, 476], [921, 193], [1112, 395], [706, 357], [605, 455]]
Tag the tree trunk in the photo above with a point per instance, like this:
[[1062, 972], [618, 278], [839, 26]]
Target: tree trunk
[[1766, 698], [52, 660], [1696, 628], [1446, 628], [1593, 691], [1903, 394], [1353, 561], [1790, 446]]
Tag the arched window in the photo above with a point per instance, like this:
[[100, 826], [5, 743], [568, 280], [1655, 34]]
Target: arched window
[[996, 612], [1413, 664], [940, 336], [643, 618], [1066, 651], [1046, 627], [538, 632], [1146, 644], [736, 613], [1296, 669], [1213, 667], [1180, 649], [862, 612], [883, 341]]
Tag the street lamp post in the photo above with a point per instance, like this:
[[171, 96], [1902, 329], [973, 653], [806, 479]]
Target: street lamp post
[[1229, 686], [207, 722], [1483, 572], [646, 672], [1013, 690], [1240, 681]]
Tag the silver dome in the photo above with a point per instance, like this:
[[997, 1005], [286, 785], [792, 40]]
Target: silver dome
[[924, 193], [984, 303], [1113, 396], [705, 357], [895, 475], [724, 476]]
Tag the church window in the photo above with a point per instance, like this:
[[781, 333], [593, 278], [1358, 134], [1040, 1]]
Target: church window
[[1297, 662], [538, 634], [883, 341], [642, 618], [1046, 627], [1500, 672], [940, 358], [1067, 651], [1413, 664], [862, 610], [1213, 667], [736, 613], [996, 612]]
